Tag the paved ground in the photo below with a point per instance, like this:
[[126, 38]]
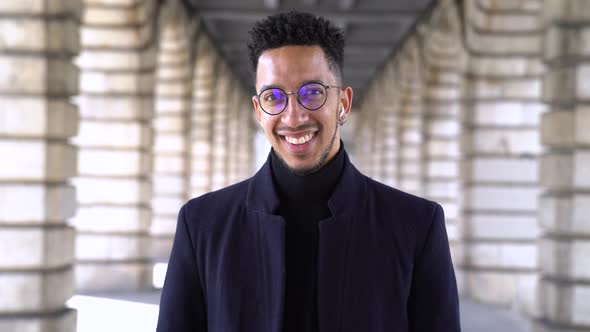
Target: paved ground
[[476, 317], [143, 306]]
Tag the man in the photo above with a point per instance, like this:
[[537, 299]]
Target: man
[[308, 243]]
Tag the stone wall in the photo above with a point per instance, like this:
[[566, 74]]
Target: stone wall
[[564, 290]]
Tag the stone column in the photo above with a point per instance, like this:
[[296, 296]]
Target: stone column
[[115, 140], [390, 120], [233, 134], [371, 164], [245, 136], [363, 151], [171, 183], [564, 290], [443, 57], [371, 132], [220, 127], [202, 116], [247, 129], [37, 120], [410, 122], [500, 147], [377, 128]]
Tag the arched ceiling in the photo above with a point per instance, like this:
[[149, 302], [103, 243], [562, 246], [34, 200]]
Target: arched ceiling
[[373, 29]]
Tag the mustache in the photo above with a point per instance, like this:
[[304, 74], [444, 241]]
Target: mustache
[[303, 127]]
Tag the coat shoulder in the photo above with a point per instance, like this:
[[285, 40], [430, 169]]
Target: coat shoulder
[[218, 204], [401, 206], [411, 218], [399, 198]]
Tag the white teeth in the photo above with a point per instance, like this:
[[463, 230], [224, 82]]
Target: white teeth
[[300, 140]]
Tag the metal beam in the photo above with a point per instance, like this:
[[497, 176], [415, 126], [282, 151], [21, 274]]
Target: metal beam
[[365, 17]]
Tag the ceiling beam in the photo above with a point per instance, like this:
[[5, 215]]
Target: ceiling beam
[[365, 17], [211, 27], [237, 44], [310, 2], [343, 25], [380, 50], [272, 4], [351, 47], [347, 4], [361, 69]]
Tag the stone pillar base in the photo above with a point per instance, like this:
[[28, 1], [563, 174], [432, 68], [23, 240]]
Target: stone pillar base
[[62, 321], [113, 277]]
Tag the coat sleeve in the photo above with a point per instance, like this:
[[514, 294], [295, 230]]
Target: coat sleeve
[[182, 304], [433, 305]]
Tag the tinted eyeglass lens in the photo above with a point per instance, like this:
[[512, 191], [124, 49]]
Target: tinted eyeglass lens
[[273, 100], [312, 96]]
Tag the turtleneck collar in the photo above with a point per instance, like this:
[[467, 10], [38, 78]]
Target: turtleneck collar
[[314, 187]]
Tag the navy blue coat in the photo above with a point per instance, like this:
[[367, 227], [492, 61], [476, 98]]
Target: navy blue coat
[[384, 262]]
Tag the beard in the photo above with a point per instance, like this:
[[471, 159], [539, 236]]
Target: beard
[[323, 157]]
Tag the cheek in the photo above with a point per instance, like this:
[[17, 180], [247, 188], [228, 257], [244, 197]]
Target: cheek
[[329, 120], [268, 126]]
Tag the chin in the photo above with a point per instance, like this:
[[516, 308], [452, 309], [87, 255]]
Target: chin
[[304, 170], [300, 167]]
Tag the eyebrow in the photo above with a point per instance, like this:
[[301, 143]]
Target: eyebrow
[[272, 86], [264, 87]]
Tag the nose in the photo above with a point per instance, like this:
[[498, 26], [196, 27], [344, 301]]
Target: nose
[[294, 114]]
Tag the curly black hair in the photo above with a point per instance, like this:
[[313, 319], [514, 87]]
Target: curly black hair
[[297, 28]]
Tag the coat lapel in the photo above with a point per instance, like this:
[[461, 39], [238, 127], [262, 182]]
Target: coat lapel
[[334, 247], [262, 203]]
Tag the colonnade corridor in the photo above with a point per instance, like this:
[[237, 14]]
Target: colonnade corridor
[[114, 113]]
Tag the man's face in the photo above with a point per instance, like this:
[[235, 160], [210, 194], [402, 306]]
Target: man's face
[[288, 68]]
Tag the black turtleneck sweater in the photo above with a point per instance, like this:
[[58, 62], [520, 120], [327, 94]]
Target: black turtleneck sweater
[[303, 203]]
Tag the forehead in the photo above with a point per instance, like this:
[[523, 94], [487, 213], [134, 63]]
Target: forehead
[[289, 66]]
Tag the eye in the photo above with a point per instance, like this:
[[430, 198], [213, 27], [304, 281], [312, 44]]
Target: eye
[[313, 92], [271, 94]]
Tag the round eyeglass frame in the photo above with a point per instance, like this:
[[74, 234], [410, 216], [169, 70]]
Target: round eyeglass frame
[[287, 93]]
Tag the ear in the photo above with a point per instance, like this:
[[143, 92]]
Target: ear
[[346, 100], [257, 110]]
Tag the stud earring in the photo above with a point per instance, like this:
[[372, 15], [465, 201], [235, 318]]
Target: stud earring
[[341, 117]]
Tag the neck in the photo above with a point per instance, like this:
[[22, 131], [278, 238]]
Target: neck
[[316, 186]]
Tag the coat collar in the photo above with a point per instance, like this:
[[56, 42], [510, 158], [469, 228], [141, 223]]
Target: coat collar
[[262, 195]]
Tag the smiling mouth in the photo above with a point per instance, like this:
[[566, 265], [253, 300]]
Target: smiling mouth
[[299, 140]]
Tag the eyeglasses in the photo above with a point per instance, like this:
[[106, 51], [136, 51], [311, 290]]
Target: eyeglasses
[[311, 96]]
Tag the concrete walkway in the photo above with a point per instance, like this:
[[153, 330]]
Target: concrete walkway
[[477, 317], [139, 311]]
